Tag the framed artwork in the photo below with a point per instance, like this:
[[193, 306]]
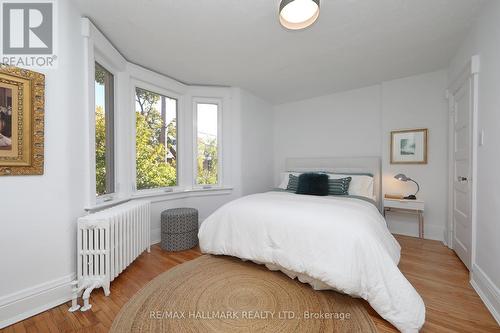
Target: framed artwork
[[22, 98], [409, 146]]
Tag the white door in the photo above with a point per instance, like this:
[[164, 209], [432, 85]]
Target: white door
[[462, 166]]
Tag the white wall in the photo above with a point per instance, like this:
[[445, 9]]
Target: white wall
[[359, 122], [38, 213], [418, 102], [484, 39], [343, 124], [257, 144]]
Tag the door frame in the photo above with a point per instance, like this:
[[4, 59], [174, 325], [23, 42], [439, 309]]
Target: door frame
[[469, 72]]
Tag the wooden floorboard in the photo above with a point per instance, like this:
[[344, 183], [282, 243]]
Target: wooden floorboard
[[433, 269]]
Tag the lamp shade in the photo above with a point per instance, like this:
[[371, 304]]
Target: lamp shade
[[298, 14], [401, 177]]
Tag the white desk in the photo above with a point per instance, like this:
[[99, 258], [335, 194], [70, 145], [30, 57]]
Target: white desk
[[407, 206]]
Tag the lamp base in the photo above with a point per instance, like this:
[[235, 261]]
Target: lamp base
[[410, 197]]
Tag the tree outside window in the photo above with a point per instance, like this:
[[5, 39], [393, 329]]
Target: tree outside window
[[156, 140]]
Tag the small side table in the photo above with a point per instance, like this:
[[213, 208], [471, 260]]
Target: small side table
[[407, 206]]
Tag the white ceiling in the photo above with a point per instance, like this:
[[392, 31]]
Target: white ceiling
[[354, 43]]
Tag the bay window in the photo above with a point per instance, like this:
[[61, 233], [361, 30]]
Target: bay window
[[122, 97]]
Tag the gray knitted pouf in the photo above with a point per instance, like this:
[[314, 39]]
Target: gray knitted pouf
[[179, 229]]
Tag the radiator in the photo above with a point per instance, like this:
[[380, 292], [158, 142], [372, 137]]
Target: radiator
[[107, 242]]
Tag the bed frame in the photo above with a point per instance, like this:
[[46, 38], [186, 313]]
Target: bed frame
[[342, 164]]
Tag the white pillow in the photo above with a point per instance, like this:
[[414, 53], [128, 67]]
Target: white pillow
[[361, 185]]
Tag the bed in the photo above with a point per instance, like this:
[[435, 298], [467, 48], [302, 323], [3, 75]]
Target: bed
[[331, 242]]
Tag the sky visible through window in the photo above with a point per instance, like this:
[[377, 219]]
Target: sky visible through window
[[99, 95], [207, 119]]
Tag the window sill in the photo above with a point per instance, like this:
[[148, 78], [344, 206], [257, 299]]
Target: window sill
[[179, 194], [158, 196]]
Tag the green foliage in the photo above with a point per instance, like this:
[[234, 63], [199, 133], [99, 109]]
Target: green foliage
[[207, 161], [154, 167], [100, 74], [152, 170], [100, 151]]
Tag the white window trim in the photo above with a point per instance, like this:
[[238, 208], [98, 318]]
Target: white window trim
[[99, 49], [220, 153], [136, 83], [111, 69]]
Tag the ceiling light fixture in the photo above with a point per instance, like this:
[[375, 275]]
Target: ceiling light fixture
[[298, 14]]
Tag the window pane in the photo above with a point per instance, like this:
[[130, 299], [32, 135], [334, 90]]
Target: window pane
[[104, 133], [207, 144], [156, 140]]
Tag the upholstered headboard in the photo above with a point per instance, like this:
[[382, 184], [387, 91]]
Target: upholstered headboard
[[342, 164]]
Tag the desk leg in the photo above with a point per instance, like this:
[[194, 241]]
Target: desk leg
[[420, 224]]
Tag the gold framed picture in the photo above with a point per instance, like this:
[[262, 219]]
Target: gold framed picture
[[22, 99], [409, 146]]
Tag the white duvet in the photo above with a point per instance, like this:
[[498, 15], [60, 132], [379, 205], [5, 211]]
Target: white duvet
[[330, 242]]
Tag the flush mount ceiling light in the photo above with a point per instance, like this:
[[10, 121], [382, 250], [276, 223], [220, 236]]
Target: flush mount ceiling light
[[298, 14]]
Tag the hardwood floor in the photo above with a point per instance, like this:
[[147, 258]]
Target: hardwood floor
[[434, 270]]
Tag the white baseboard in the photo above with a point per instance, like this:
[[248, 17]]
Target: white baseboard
[[31, 301], [155, 236], [431, 231], [489, 293]]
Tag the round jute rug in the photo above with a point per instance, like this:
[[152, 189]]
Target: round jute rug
[[225, 294]]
